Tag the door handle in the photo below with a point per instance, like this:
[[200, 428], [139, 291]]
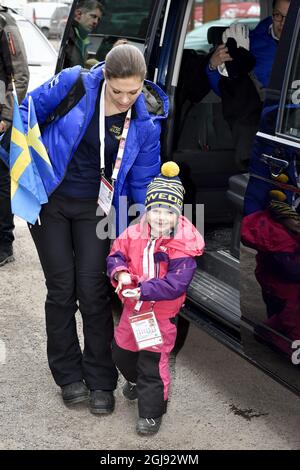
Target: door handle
[[276, 165]]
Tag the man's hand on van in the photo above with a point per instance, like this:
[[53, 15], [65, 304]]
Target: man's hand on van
[[220, 56]]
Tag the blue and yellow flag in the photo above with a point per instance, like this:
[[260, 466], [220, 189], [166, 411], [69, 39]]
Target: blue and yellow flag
[[37, 149], [27, 189]]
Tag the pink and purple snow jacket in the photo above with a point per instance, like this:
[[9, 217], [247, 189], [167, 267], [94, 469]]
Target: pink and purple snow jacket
[[163, 268]]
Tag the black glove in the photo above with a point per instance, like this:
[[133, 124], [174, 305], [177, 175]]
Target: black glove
[[243, 60]]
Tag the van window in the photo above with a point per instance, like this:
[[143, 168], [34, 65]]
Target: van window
[[197, 38], [227, 9], [291, 114], [131, 16], [204, 16], [121, 19]]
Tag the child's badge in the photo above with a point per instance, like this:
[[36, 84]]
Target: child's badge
[[145, 329], [106, 194]]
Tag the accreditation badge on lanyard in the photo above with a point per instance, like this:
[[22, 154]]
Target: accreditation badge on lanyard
[[145, 328], [106, 192]]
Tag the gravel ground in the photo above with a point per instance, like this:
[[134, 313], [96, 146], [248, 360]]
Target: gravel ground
[[218, 401]]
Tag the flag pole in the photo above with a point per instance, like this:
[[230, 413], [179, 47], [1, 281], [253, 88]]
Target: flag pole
[[14, 88]]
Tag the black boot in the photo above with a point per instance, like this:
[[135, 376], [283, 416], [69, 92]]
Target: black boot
[[6, 254], [129, 391], [148, 426], [102, 402], [74, 393]]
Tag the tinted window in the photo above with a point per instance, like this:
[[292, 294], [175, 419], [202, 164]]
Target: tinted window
[[90, 41], [130, 18], [197, 38]]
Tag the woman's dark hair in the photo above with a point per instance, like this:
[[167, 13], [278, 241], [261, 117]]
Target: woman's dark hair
[[125, 61]]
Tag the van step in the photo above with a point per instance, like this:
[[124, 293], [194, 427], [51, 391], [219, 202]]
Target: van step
[[215, 296], [221, 265]]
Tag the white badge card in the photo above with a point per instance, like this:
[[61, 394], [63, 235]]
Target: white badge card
[[146, 330], [106, 194]]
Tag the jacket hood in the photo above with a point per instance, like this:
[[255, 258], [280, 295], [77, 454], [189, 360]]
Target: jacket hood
[[157, 102], [152, 102], [186, 239]]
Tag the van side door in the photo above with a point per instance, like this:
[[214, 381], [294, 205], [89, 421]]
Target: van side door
[[270, 254]]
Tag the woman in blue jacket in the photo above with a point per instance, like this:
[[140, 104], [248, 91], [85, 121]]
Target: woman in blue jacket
[[110, 136]]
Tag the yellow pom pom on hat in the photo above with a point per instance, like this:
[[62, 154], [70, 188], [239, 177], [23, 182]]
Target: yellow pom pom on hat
[[166, 189], [170, 169]]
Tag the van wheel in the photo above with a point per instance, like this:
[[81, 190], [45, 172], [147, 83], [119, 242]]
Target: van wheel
[[45, 32]]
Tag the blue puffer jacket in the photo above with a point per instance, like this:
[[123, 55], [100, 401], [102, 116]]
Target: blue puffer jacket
[[141, 159], [263, 46]]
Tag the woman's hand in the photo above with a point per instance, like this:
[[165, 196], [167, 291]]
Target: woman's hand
[[220, 56], [123, 278], [3, 126]]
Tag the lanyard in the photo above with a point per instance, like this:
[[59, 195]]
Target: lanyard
[[148, 267], [148, 260], [102, 136]]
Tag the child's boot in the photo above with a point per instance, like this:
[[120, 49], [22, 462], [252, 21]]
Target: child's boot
[[148, 426], [129, 391]]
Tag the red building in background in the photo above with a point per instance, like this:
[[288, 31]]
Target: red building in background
[[229, 10]]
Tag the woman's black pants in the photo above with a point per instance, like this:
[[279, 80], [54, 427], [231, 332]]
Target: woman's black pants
[[73, 259]]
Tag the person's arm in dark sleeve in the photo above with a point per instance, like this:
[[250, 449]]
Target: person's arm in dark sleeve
[[213, 78], [117, 259]]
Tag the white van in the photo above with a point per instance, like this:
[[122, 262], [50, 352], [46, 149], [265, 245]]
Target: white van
[[40, 13]]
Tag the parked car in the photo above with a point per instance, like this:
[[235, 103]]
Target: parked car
[[224, 297], [40, 13], [17, 5], [58, 21], [41, 55]]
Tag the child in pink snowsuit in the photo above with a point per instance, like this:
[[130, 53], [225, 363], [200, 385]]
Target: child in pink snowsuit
[[154, 262]]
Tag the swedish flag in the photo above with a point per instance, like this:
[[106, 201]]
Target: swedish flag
[[27, 189], [37, 149]]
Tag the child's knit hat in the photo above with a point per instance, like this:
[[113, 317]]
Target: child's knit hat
[[166, 189]]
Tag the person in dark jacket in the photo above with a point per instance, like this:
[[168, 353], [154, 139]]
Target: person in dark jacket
[[263, 42], [6, 68], [87, 15], [109, 139], [239, 71], [14, 61], [6, 219]]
